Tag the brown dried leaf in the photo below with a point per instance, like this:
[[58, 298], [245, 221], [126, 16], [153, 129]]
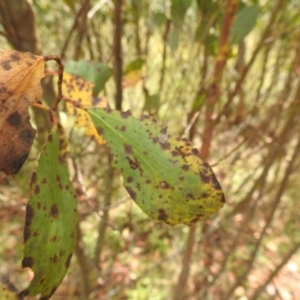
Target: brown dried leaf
[[20, 76]]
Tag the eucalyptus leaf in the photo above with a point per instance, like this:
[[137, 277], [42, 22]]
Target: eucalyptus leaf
[[244, 22], [51, 220], [164, 175]]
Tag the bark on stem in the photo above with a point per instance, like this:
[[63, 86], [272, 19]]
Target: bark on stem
[[118, 61]]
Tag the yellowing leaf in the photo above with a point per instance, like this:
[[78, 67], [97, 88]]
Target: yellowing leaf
[[133, 73], [132, 78], [7, 290], [20, 76], [80, 90]]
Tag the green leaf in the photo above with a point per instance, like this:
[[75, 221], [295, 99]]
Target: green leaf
[[70, 4], [136, 64], [92, 71], [51, 220], [164, 176], [152, 104], [244, 22], [158, 19], [178, 11]]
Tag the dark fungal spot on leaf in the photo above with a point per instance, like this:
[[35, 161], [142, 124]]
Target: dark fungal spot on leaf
[[204, 195], [128, 149], [162, 215], [37, 189], [15, 56], [123, 128], [68, 260], [54, 258], [47, 297], [49, 138], [174, 153], [53, 238], [196, 219], [164, 185], [6, 65], [131, 192], [125, 114], [14, 119], [196, 152], [54, 212], [164, 145], [133, 164], [185, 167], [155, 140], [190, 196], [205, 178], [36, 233], [129, 179], [108, 109], [27, 262], [27, 136], [100, 130]]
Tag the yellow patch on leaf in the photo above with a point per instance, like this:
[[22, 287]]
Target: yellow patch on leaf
[[81, 90], [20, 87]]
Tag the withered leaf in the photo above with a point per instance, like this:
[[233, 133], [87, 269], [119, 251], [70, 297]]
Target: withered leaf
[[20, 76]]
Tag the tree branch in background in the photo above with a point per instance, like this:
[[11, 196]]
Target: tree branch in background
[[277, 10], [274, 207], [104, 220], [81, 29], [164, 56], [77, 19], [117, 48], [18, 20], [212, 97]]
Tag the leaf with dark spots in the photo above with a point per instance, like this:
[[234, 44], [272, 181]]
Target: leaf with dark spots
[[127, 149], [27, 262], [14, 119], [81, 91], [92, 71], [8, 291], [51, 220], [125, 114], [166, 188], [131, 192], [19, 88]]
